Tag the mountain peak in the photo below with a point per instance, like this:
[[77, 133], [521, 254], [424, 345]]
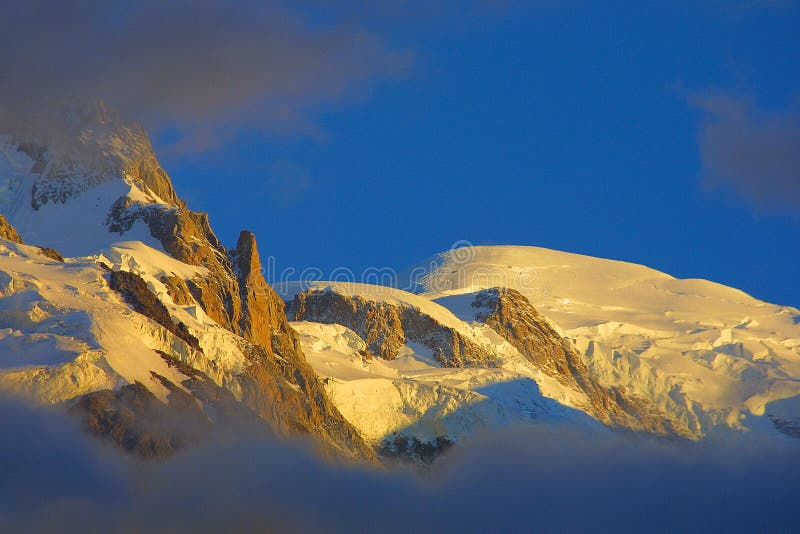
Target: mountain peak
[[84, 166]]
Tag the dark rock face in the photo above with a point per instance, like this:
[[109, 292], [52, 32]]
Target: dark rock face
[[262, 310], [399, 448], [178, 290], [512, 316], [135, 420], [187, 236], [278, 385], [285, 392], [380, 325], [135, 292], [386, 327]]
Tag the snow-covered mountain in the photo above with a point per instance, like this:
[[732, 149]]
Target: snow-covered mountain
[[191, 320], [119, 303], [709, 356], [396, 363]]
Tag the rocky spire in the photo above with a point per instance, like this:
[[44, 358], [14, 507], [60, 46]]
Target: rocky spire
[[261, 306]]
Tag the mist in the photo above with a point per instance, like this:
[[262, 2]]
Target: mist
[[541, 478]]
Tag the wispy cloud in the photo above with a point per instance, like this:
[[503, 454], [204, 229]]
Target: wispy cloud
[[206, 66], [755, 152]]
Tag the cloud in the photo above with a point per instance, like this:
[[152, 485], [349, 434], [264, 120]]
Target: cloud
[[753, 151], [204, 66], [545, 479]]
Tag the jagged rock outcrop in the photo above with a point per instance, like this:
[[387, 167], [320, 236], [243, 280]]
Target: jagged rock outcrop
[[386, 327], [134, 419], [262, 309], [511, 315], [414, 451], [187, 236], [284, 391], [177, 290], [135, 292], [278, 385], [8, 232]]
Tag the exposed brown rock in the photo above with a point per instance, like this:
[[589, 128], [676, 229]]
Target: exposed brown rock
[[386, 327], [285, 392], [278, 385], [178, 290], [512, 316], [262, 309], [135, 292], [134, 419], [51, 253], [379, 324], [95, 145], [187, 237], [8, 232]]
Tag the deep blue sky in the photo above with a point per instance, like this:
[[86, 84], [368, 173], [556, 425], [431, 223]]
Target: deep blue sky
[[571, 128]]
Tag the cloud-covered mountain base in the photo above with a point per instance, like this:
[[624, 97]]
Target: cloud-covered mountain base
[[544, 479]]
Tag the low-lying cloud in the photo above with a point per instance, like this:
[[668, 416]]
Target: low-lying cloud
[[752, 151], [542, 479], [202, 66]]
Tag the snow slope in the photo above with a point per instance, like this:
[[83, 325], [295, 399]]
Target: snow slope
[[706, 353], [64, 332]]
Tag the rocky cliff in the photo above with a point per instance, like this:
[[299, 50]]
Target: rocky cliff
[[512, 316], [386, 327]]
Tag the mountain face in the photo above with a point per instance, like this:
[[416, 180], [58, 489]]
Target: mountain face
[[708, 356], [86, 194], [154, 334], [386, 327], [514, 362], [511, 315]]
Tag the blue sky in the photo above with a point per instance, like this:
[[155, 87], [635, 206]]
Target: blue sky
[[616, 131]]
